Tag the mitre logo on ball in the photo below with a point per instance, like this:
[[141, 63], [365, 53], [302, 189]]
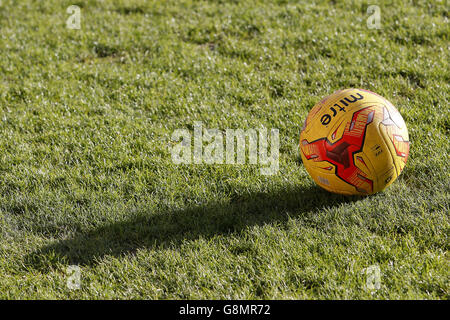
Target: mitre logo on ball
[[354, 142]]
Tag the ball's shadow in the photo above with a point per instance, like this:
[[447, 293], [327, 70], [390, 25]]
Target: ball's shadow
[[171, 228]]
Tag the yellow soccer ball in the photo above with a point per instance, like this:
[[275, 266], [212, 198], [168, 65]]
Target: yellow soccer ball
[[354, 142]]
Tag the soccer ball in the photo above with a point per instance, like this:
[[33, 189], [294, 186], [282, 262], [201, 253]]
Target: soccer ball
[[354, 142]]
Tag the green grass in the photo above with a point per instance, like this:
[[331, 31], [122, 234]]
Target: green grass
[[87, 177]]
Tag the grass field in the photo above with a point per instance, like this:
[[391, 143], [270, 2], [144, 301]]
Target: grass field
[[87, 178]]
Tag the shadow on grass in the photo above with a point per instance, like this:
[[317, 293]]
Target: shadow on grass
[[171, 228]]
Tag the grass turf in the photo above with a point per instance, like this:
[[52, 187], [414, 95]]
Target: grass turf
[[87, 177]]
